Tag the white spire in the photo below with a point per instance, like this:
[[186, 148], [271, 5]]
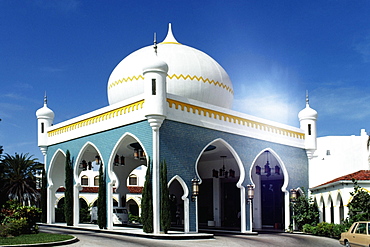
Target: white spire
[[170, 39]]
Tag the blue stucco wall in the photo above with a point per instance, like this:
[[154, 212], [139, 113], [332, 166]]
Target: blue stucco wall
[[181, 144], [105, 141]]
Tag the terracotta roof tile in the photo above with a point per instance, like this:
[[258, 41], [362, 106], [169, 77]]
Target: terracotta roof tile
[[85, 189], [135, 189], [359, 175]]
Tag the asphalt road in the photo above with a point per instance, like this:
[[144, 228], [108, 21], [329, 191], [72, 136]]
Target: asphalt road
[[92, 239]]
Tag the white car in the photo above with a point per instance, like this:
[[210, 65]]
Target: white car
[[120, 215]]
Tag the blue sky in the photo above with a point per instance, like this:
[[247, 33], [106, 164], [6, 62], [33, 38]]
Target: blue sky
[[273, 52]]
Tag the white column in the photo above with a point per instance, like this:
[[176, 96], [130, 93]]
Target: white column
[[76, 203], [50, 213], [110, 204], [155, 122], [186, 216], [216, 202], [243, 213]]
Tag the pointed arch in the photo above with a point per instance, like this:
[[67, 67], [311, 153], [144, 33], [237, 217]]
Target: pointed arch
[[76, 172], [258, 197], [281, 163], [185, 198], [55, 178], [239, 183], [112, 177]]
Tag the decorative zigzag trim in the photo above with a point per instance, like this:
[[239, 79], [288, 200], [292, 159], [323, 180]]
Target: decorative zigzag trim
[[181, 76]]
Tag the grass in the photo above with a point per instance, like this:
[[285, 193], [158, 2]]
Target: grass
[[35, 238]]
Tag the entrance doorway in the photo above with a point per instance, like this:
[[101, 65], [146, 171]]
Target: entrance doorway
[[268, 177]]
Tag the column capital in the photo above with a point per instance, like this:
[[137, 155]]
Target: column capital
[[155, 121]]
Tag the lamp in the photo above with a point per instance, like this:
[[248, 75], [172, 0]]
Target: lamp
[[195, 186], [293, 195], [122, 160], [83, 165], [136, 154], [222, 172], [250, 189], [267, 168], [116, 160]]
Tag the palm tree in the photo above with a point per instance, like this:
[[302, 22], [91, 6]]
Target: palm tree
[[19, 178]]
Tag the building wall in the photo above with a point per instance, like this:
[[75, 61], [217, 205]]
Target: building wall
[[337, 156]]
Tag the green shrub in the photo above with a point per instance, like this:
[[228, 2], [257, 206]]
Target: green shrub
[[18, 219], [325, 229], [17, 227], [134, 218]]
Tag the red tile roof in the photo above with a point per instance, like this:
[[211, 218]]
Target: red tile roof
[[359, 175], [135, 189], [85, 189]]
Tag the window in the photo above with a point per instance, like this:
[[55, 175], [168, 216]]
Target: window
[[132, 180], [154, 87], [361, 228], [96, 181], [327, 152], [42, 127], [309, 129], [84, 180]]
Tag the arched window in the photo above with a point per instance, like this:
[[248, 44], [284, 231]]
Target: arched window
[[84, 180], [132, 180], [96, 181]]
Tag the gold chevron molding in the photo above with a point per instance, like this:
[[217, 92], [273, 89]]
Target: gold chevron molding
[[233, 119], [98, 118]]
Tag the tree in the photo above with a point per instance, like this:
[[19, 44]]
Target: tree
[[146, 202], [68, 194], [18, 175], [165, 199], [102, 199], [359, 207], [305, 212]]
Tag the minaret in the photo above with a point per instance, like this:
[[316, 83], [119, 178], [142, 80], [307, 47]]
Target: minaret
[[307, 118], [45, 118], [155, 107]]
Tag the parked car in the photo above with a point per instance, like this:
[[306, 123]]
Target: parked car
[[357, 235], [120, 215]]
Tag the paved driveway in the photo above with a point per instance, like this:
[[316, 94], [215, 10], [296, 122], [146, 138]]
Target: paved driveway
[[93, 239]]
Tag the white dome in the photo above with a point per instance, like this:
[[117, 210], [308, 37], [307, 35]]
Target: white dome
[[191, 74], [45, 112], [307, 113]]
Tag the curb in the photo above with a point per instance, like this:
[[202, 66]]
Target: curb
[[142, 235], [63, 242]]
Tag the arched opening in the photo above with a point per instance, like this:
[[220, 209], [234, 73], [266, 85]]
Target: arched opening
[[56, 178], [59, 211], [127, 163], [219, 199], [269, 177], [331, 209], [179, 203], [86, 169], [322, 210], [341, 208], [84, 211], [133, 209]]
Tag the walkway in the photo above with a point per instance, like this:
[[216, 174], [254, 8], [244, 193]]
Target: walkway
[[133, 231]]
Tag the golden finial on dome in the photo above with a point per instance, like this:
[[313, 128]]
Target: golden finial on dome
[[170, 39]]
